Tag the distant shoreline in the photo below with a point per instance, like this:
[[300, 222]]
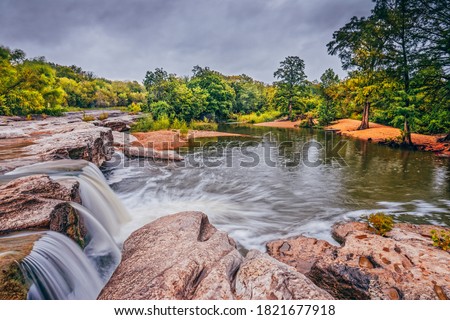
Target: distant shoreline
[[376, 133]]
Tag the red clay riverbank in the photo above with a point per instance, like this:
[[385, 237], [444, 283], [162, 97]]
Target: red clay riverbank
[[380, 133], [171, 139], [376, 133]]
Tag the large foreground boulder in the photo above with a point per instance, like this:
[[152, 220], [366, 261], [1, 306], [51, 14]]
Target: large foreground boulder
[[37, 202], [183, 256], [402, 265]]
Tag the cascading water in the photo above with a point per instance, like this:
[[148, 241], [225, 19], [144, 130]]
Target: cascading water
[[96, 195], [101, 200], [59, 269], [101, 248]]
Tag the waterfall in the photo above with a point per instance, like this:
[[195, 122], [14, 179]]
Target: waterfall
[[96, 195], [59, 269], [101, 248]]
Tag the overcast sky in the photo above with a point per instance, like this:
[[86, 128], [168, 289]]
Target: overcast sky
[[122, 39]]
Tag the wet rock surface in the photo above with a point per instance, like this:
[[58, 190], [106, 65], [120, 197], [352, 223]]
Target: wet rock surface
[[402, 265], [183, 256], [37, 202]]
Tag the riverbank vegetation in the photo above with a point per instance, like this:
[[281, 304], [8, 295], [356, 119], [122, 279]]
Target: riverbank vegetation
[[398, 75]]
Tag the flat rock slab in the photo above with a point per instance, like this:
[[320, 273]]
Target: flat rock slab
[[37, 202], [65, 137], [402, 265], [183, 256], [93, 144]]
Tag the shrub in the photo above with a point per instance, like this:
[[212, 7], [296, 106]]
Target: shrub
[[134, 108], [441, 239], [177, 124], [162, 108], [184, 130], [29, 117], [258, 117], [380, 223], [143, 125], [87, 117], [103, 116], [162, 123]]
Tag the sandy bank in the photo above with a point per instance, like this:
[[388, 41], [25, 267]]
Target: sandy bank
[[380, 134]]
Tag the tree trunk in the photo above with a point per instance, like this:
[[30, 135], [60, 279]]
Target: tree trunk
[[407, 133], [445, 139], [290, 110], [365, 116]]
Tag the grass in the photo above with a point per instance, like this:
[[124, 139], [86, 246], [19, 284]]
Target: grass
[[147, 123], [87, 117], [203, 125], [103, 116], [258, 117], [78, 109]]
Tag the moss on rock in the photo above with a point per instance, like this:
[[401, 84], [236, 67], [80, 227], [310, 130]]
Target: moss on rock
[[13, 249]]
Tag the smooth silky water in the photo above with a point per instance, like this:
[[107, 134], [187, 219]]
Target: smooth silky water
[[57, 267], [304, 182]]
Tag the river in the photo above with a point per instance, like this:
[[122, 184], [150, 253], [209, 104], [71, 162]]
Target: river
[[278, 183]]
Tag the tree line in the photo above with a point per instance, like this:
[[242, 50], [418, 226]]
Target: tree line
[[398, 63]]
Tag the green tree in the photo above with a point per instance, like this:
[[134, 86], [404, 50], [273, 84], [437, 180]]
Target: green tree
[[329, 82], [359, 44], [153, 82], [220, 95], [291, 75], [27, 86]]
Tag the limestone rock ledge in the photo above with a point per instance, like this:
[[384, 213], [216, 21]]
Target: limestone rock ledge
[[402, 265], [37, 202]]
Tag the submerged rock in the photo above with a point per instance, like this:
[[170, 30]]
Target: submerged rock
[[402, 265], [37, 202], [183, 256]]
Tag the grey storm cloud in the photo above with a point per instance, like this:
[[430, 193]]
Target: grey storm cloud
[[121, 39]]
